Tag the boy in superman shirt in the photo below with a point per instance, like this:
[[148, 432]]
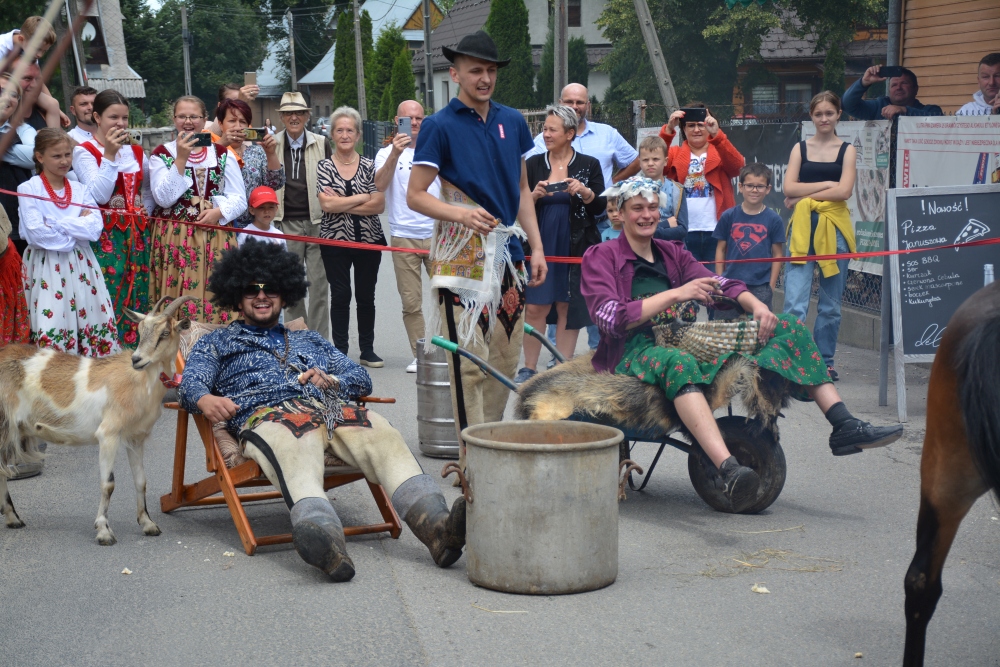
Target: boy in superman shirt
[[749, 231]]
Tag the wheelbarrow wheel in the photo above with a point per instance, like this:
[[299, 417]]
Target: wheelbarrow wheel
[[754, 447]]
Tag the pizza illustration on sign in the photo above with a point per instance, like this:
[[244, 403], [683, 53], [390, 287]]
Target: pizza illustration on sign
[[972, 231]]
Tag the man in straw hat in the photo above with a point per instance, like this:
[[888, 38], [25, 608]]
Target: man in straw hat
[[298, 206], [286, 395], [475, 145]]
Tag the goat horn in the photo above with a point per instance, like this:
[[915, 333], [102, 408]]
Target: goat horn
[[158, 304], [175, 304]]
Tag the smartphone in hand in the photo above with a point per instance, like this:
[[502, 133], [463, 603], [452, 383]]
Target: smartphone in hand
[[203, 139], [255, 134], [249, 78], [405, 126], [889, 72], [694, 114], [558, 186]]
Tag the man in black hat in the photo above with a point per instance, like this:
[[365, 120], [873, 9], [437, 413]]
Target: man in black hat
[[475, 145]]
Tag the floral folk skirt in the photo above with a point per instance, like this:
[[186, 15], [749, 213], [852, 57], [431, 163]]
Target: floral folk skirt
[[182, 260], [69, 305], [791, 353], [124, 260]]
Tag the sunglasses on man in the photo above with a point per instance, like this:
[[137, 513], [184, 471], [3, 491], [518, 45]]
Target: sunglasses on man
[[251, 291]]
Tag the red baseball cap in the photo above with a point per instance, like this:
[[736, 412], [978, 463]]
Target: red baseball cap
[[263, 195]]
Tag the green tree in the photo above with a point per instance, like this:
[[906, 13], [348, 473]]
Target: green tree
[[578, 69], [385, 110], [403, 85], [387, 47], [545, 93], [507, 24], [314, 31], [345, 76]]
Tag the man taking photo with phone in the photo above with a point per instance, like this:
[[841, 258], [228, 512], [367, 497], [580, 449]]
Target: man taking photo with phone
[[902, 97], [408, 229]]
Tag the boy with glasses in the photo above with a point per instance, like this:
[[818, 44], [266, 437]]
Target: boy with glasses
[[748, 231]]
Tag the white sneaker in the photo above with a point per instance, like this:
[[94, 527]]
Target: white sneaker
[[412, 368]]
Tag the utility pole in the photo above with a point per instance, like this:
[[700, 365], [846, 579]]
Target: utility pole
[[428, 72], [186, 41], [359, 63], [77, 46], [561, 48], [663, 82], [291, 47]]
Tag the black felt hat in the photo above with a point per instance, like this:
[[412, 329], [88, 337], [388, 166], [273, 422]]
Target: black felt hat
[[477, 45]]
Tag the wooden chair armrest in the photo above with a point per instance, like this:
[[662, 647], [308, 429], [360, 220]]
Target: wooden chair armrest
[[373, 399]]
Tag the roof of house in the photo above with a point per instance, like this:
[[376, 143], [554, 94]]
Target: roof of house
[[322, 72], [779, 45], [465, 18]]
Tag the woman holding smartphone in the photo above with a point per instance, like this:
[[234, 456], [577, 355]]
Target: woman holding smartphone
[[192, 180], [117, 175], [258, 160], [818, 183], [705, 164], [566, 187]]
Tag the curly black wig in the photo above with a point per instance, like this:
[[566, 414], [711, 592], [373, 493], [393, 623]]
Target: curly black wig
[[257, 262]]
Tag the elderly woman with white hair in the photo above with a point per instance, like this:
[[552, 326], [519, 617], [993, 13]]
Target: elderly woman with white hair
[[351, 205], [566, 186]]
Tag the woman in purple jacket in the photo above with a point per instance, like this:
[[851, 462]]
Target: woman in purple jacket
[[636, 281]]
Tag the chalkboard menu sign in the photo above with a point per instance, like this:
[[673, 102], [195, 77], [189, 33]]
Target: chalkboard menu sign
[[929, 286]]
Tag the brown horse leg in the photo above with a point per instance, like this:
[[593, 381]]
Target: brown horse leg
[[949, 486]]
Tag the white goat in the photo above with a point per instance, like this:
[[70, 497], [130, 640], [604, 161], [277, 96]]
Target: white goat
[[67, 399]]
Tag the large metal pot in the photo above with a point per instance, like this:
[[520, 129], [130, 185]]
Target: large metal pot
[[543, 516]]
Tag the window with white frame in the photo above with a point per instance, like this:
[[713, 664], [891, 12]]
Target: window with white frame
[[765, 99]]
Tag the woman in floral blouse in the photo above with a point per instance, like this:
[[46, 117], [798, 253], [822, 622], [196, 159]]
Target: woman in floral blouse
[[351, 205], [192, 183], [258, 161]]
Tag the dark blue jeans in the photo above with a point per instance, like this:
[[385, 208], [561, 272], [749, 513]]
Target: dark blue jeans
[[702, 246]]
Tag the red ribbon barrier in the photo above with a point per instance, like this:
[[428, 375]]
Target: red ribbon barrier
[[550, 259]]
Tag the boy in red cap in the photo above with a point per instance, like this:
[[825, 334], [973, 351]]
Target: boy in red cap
[[263, 207]]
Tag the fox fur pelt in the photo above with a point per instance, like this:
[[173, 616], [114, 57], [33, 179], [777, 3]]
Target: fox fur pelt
[[576, 388]]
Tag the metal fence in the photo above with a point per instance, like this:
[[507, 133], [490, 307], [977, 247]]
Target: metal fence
[[374, 134]]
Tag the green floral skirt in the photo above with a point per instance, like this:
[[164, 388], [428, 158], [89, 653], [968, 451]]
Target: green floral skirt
[[791, 353]]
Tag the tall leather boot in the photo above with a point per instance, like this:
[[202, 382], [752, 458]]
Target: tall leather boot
[[425, 511], [318, 537]]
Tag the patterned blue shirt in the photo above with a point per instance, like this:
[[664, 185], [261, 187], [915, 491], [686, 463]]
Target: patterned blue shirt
[[239, 362]]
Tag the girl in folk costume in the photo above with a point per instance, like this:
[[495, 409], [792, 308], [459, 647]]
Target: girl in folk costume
[[192, 184], [69, 305], [117, 176]]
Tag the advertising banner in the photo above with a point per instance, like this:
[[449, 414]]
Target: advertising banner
[[947, 150], [770, 144], [867, 204]]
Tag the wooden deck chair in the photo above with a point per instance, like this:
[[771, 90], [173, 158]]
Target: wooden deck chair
[[221, 487]]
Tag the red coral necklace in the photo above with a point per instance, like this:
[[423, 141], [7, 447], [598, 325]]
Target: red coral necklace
[[60, 202]]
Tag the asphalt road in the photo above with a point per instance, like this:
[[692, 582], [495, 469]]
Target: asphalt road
[[832, 551]]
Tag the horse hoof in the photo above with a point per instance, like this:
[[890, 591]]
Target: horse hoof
[[152, 530], [107, 540], [17, 523]]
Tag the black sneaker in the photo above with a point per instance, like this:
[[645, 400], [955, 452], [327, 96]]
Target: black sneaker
[[855, 435], [524, 375], [372, 360], [741, 484]]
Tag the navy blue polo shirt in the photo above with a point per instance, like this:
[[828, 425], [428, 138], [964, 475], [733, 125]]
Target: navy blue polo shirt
[[483, 160]]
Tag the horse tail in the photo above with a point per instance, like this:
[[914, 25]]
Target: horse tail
[[978, 365]]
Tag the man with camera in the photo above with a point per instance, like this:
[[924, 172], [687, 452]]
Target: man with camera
[[408, 229], [299, 212], [901, 100]]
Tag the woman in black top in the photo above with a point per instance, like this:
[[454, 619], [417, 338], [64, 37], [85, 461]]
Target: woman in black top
[[351, 205], [818, 183], [567, 224]]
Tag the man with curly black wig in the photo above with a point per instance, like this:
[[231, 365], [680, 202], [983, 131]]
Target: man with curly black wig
[[286, 393]]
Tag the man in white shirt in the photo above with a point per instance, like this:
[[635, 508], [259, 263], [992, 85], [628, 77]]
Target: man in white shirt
[[82, 108], [408, 229], [986, 100]]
